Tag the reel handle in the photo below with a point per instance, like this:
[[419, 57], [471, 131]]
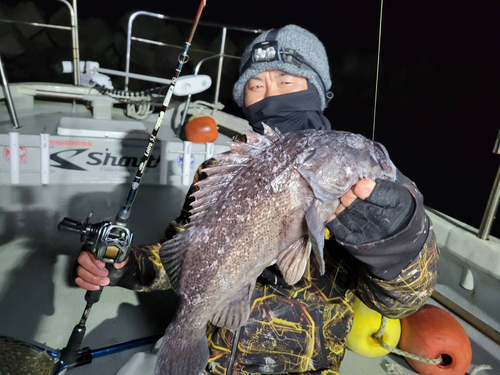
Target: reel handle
[[71, 225]]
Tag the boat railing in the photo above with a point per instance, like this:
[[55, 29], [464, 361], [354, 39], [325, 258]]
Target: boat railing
[[73, 28], [493, 201], [74, 34], [221, 55], [75, 46], [77, 67], [8, 97]]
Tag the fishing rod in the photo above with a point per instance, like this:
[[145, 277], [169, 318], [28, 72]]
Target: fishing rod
[[124, 213], [110, 241]]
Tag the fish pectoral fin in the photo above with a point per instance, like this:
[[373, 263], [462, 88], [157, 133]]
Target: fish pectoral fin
[[293, 260], [317, 235], [235, 310]]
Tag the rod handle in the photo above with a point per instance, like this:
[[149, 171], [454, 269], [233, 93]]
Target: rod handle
[[93, 296], [69, 354]]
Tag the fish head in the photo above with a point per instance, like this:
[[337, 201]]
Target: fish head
[[339, 160]]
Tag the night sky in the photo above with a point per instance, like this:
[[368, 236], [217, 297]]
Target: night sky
[[438, 105]]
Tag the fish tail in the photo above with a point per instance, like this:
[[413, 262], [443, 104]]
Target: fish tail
[[183, 351]]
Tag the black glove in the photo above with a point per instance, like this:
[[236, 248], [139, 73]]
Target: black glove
[[132, 276], [386, 212]]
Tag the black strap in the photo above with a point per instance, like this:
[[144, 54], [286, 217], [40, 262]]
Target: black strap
[[234, 349], [272, 34]]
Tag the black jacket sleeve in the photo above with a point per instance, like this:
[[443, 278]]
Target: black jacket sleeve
[[385, 258], [399, 273]]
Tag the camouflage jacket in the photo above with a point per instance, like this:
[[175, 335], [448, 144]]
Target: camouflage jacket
[[302, 328]]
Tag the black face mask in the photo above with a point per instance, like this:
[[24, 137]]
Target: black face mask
[[289, 112]]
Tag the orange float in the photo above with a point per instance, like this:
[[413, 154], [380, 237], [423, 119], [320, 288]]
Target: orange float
[[432, 332], [201, 129]]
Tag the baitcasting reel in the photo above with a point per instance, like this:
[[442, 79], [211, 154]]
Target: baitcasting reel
[[107, 241]]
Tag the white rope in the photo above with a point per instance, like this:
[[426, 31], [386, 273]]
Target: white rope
[[139, 111], [400, 352], [480, 368]]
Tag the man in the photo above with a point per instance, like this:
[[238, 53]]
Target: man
[[384, 250]]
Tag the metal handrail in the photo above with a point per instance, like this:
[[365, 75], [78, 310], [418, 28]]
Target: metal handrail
[[493, 201], [8, 97], [161, 44], [47, 25], [74, 34], [196, 71], [221, 55], [221, 61]]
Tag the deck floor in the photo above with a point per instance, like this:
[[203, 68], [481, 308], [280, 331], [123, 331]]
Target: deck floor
[[38, 303]]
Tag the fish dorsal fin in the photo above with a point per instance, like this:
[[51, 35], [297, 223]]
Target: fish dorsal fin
[[228, 166], [208, 193], [210, 189], [172, 255], [273, 135], [235, 311], [293, 260], [263, 141]]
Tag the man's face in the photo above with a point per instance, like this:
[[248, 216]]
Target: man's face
[[272, 83]]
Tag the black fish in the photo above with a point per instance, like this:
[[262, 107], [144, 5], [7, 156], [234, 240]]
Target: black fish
[[266, 202]]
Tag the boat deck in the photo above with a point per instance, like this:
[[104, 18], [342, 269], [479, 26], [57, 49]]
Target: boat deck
[[39, 304]]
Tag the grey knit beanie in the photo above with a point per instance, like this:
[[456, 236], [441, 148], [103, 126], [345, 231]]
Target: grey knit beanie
[[304, 43]]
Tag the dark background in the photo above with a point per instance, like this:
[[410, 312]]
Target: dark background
[[437, 110]]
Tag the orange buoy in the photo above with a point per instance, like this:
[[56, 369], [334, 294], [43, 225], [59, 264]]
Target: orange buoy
[[201, 129], [432, 332]]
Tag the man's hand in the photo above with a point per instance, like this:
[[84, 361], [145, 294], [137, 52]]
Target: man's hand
[[371, 211], [361, 190], [92, 272]]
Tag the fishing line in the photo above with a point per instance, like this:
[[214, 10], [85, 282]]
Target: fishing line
[[378, 68]]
